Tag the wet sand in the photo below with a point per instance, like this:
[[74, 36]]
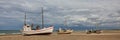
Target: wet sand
[[73, 36]]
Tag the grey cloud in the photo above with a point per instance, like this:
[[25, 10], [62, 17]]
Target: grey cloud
[[55, 10]]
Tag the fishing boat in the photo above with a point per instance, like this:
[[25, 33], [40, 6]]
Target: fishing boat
[[97, 31], [65, 31], [27, 29]]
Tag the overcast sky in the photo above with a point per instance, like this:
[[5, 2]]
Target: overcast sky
[[77, 12]]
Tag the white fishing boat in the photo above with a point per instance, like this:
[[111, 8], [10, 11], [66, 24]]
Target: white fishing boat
[[65, 31], [27, 29]]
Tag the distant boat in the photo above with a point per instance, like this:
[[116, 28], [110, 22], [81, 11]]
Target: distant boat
[[27, 29], [65, 31], [97, 31]]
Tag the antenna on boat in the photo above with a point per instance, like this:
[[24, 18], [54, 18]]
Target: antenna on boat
[[32, 23], [65, 22], [25, 19], [42, 17]]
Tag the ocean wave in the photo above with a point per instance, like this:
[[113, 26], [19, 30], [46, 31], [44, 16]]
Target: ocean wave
[[15, 33], [2, 33]]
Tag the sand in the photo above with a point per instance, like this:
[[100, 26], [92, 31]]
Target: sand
[[73, 36]]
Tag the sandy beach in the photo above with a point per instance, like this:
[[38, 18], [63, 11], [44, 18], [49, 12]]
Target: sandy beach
[[73, 36]]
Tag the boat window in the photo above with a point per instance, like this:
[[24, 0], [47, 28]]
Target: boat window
[[28, 26]]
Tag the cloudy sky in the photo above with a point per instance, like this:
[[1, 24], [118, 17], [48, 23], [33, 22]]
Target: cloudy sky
[[77, 12]]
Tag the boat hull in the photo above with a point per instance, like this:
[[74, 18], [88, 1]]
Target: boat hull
[[65, 31], [38, 34], [44, 31]]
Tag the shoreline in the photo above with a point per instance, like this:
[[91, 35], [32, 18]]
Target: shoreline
[[104, 32]]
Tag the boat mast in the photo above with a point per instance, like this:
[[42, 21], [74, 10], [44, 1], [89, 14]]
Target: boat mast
[[65, 22], [42, 17], [25, 19]]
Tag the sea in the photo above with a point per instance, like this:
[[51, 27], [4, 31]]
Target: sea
[[9, 32]]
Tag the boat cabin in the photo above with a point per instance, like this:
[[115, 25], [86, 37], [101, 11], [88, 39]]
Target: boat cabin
[[27, 28]]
